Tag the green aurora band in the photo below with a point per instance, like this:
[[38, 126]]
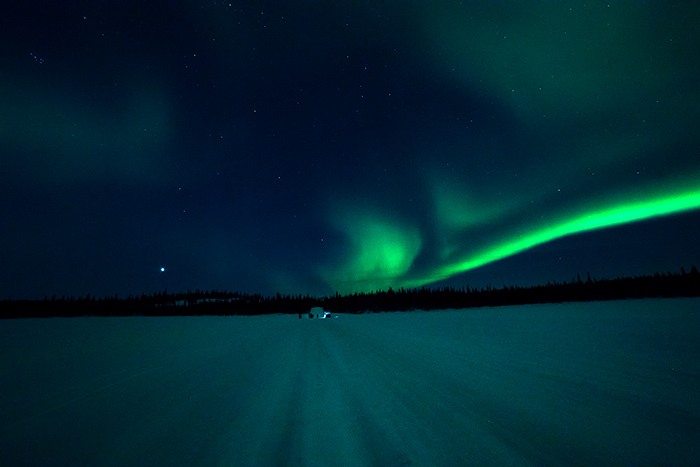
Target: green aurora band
[[593, 99], [385, 253], [381, 250]]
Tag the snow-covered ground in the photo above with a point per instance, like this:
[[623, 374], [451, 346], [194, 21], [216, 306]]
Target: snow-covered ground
[[597, 383]]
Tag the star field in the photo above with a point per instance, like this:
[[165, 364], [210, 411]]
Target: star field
[[313, 148]]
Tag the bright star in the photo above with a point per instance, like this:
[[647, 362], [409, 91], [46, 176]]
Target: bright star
[[162, 269]]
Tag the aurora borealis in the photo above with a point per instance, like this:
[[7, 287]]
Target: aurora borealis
[[310, 147]]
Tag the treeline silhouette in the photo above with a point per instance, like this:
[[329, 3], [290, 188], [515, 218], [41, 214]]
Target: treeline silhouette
[[222, 303]]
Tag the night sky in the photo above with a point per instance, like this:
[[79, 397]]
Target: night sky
[[321, 146]]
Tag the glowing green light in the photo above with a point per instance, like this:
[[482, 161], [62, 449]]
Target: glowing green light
[[382, 249], [603, 218]]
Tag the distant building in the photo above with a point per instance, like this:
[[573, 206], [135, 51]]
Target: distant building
[[317, 312]]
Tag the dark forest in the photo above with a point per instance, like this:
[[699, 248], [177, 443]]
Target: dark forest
[[224, 303]]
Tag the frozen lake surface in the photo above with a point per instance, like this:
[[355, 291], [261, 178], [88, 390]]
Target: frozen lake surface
[[612, 383]]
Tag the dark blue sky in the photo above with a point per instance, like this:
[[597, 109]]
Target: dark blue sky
[[309, 147]]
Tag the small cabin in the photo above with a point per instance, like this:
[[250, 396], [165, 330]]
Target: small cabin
[[318, 312]]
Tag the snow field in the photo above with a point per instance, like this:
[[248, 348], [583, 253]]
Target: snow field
[[585, 383]]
